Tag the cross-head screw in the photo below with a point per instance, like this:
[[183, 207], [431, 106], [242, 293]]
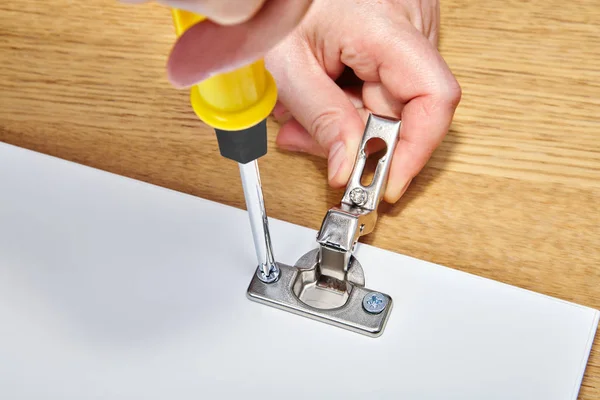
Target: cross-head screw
[[358, 196], [374, 302], [273, 276]]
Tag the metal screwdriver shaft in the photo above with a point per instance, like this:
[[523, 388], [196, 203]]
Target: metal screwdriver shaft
[[236, 104], [258, 220]]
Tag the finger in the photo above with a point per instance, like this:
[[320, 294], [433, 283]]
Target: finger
[[293, 137], [413, 72], [318, 105], [356, 98], [280, 113], [426, 120], [376, 97], [208, 48]]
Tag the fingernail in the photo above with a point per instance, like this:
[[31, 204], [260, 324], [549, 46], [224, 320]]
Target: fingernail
[[392, 196], [283, 117], [405, 188], [337, 157], [281, 113]]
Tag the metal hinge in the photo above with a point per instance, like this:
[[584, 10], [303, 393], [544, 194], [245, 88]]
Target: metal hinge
[[328, 283], [357, 214]]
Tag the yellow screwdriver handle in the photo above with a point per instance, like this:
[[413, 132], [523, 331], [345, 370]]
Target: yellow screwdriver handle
[[230, 101]]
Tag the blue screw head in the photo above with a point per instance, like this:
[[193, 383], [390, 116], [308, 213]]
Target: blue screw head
[[374, 302], [273, 276]]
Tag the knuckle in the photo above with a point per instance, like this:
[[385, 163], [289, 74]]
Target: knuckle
[[452, 93], [357, 52], [351, 49], [445, 98], [325, 127]]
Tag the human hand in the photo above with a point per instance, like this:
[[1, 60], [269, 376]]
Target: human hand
[[237, 33], [391, 46]]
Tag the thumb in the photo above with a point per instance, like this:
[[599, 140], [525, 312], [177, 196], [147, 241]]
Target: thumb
[[208, 48], [320, 108]]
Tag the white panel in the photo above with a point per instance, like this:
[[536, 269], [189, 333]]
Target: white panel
[[113, 288]]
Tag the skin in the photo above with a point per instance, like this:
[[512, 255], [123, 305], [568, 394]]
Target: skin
[[334, 63]]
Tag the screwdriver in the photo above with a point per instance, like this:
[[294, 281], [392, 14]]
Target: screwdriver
[[236, 104]]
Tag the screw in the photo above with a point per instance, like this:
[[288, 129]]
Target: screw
[[273, 276], [358, 196], [374, 302]]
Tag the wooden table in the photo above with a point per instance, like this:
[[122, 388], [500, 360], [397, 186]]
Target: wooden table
[[513, 193]]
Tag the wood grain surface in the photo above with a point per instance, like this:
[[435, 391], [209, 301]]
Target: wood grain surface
[[513, 193]]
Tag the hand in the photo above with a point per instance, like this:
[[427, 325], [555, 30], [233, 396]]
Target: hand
[[391, 46], [238, 32], [388, 44]]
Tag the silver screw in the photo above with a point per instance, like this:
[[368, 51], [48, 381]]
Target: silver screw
[[358, 196], [374, 302], [273, 276]]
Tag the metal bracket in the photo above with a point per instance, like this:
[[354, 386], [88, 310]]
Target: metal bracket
[[352, 315], [327, 283]]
